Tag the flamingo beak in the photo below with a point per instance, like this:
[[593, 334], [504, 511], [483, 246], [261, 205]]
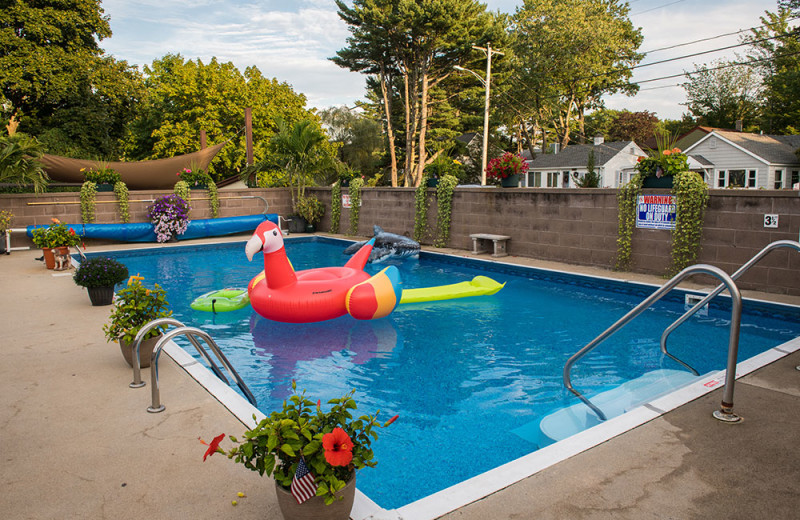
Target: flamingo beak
[[254, 245]]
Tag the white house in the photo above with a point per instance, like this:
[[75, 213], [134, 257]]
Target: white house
[[745, 160], [614, 162]]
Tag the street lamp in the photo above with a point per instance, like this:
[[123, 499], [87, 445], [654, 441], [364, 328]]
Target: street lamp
[[486, 83]]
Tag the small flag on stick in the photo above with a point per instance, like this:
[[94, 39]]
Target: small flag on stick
[[303, 485]]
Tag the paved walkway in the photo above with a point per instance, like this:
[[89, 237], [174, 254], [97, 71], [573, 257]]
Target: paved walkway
[[77, 443]]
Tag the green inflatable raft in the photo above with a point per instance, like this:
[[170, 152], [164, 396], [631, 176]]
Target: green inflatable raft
[[478, 286], [221, 301]]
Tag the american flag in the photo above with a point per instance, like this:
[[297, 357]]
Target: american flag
[[303, 485]]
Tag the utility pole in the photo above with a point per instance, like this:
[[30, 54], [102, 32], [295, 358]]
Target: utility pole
[[486, 83]]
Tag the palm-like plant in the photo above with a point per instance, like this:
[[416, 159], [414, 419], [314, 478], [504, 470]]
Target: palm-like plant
[[20, 162], [298, 146]]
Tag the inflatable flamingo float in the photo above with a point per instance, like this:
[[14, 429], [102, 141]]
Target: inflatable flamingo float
[[281, 294]]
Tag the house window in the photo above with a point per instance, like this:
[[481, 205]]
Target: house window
[[552, 179], [721, 179], [565, 179], [778, 179], [795, 179], [535, 179], [751, 179], [736, 178]]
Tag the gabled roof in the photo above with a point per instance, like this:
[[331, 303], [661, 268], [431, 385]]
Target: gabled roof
[[774, 149], [577, 155]]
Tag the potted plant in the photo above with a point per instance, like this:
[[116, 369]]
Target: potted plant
[[169, 215], [195, 178], [99, 275], [105, 178], [136, 306], [5, 225], [507, 168], [55, 236], [311, 209], [658, 169], [311, 453]]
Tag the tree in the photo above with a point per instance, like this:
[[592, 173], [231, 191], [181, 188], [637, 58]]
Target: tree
[[19, 161], [777, 47], [359, 136], [45, 48], [413, 46], [724, 93], [571, 53], [186, 96], [299, 148], [633, 126]]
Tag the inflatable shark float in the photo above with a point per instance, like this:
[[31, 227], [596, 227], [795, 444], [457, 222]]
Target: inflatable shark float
[[387, 246]]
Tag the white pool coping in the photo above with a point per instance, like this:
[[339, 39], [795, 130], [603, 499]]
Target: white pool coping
[[489, 482], [485, 484]]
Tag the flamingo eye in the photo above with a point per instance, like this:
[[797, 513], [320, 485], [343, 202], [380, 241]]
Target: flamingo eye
[[274, 233]]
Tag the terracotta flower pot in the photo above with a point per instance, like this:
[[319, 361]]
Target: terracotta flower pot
[[49, 258], [314, 508], [145, 351]]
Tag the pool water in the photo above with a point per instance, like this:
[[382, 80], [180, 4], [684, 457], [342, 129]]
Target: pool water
[[464, 374]]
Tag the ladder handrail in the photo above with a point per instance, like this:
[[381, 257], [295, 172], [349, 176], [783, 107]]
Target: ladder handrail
[[735, 276], [137, 341], [733, 341], [189, 332]]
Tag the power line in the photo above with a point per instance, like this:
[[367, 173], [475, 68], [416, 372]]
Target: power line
[[658, 7]]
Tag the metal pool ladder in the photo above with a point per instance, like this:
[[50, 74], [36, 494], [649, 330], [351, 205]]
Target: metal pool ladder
[[726, 411], [193, 334]]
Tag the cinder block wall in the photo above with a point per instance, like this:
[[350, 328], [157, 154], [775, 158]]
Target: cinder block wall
[[39, 209], [579, 226], [576, 226]]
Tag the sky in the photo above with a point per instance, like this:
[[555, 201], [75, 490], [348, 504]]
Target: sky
[[291, 40]]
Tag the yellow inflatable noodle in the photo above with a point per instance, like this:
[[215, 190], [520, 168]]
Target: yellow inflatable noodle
[[478, 286]]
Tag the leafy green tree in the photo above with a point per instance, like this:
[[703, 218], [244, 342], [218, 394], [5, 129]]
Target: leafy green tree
[[412, 46], [633, 126], [777, 47], [20, 161], [570, 54], [45, 47], [186, 96], [724, 93], [359, 136]]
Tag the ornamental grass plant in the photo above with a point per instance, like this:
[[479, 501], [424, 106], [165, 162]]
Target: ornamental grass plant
[[331, 443], [100, 271]]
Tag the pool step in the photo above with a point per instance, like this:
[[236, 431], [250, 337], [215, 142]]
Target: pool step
[[573, 419]]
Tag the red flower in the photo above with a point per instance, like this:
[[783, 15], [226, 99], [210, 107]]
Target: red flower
[[71, 231], [390, 421], [338, 447], [214, 446]]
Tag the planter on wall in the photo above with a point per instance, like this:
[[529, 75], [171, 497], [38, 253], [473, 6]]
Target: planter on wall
[[652, 181], [512, 181]]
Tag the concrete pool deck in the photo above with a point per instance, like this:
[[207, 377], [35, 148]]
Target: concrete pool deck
[[77, 442]]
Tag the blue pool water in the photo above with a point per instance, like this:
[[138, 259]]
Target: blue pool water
[[463, 375]]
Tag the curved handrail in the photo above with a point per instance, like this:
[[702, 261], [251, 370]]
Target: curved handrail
[[137, 341], [733, 342], [189, 332], [735, 276]]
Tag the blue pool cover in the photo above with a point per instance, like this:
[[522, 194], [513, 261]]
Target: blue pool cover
[[143, 231]]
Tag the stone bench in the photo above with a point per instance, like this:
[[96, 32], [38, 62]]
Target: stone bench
[[480, 242]]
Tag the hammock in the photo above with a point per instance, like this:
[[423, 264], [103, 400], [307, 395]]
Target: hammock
[[142, 175]]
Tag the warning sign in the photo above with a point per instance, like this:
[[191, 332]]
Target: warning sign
[[655, 212]]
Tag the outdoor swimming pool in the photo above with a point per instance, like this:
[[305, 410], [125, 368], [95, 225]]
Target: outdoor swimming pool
[[466, 376]]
